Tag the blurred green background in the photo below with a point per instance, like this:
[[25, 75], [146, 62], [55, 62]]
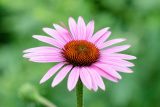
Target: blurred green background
[[136, 20]]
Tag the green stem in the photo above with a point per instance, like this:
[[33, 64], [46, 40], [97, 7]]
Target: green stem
[[44, 101], [79, 93]]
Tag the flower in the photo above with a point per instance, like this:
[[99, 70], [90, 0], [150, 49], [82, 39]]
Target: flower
[[82, 54]]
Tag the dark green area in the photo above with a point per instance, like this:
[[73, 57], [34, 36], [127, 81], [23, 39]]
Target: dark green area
[[136, 20]]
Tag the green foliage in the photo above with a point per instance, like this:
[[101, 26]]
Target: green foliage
[[136, 20]]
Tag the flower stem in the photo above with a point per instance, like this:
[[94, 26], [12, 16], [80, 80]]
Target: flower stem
[[79, 93]]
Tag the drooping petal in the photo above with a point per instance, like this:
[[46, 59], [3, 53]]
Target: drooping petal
[[96, 78], [51, 72], [124, 62], [85, 78], [121, 56], [48, 40], [114, 56], [89, 30], [115, 49], [108, 69], [94, 82], [54, 34], [105, 74], [61, 75], [63, 32], [98, 34], [73, 27], [118, 62], [81, 27], [122, 69], [73, 78], [110, 42]]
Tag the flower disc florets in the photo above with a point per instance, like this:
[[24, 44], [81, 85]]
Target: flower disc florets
[[80, 53]]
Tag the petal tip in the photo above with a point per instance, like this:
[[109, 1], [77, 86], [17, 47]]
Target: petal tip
[[116, 80], [103, 88], [55, 25], [24, 56], [41, 81], [70, 89], [134, 57], [107, 28], [25, 51], [95, 90], [80, 17], [71, 18], [45, 29], [35, 36], [130, 71], [53, 85], [120, 77], [128, 46]]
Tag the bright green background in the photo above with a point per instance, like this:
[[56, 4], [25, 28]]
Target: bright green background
[[136, 20]]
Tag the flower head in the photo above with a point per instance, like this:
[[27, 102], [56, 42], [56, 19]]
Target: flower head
[[82, 54]]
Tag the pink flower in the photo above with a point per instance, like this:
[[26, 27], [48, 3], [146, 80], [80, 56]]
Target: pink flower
[[81, 54]]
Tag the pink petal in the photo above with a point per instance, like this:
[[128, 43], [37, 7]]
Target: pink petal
[[41, 52], [61, 75], [111, 42], [104, 74], [103, 38], [96, 78], [29, 55], [41, 49], [81, 27], [89, 30], [54, 34], [108, 69], [122, 69], [115, 49], [98, 34], [60, 28], [46, 59], [86, 78], [109, 56], [124, 62], [117, 62], [122, 56], [73, 78], [73, 27], [94, 85], [48, 40], [63, 32], [51, 72], [94, 82]]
